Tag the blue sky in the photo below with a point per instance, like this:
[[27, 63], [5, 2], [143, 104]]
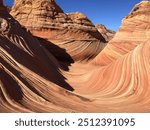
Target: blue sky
[[107, 12]]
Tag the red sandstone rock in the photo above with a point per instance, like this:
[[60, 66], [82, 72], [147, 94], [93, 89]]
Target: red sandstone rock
[[106, 33], [134, 30], [31, 79], [72, 33]]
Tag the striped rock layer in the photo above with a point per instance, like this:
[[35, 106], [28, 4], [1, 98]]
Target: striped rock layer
[[60, 33], [31, 78], [134, 30]]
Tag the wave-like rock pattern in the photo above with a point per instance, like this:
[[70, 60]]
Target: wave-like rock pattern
[[31, 79], [60, 33], [134, 30], [122, 86]]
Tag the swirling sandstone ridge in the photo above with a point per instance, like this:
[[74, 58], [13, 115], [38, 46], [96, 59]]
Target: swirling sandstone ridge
[[32, 80], [134, 30], [72, 33]]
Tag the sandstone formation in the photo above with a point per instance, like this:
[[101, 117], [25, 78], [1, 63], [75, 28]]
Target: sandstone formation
[[62, 34], [31, 78], [123, 86], [134, 30], [106, 33]]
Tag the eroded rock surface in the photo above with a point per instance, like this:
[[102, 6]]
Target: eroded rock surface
[[32, 79], [72, 33], [134, 30], [106, 33]]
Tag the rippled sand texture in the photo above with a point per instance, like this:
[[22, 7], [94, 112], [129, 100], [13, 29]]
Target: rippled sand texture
[[34, 79]]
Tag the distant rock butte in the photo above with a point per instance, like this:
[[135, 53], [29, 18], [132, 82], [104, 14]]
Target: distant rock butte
[[74, 32], [106, 33], [134, 30]]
